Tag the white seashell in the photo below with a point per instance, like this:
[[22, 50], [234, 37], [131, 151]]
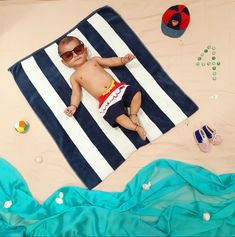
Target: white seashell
[[61, 195], [206, 216], [147, 186], [8, 204], [59, 200]]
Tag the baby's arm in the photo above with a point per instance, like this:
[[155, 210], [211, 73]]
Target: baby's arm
[[115, 61], [75, 97]]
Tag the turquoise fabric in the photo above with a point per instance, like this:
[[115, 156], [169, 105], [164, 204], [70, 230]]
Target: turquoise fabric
[[166, 198]]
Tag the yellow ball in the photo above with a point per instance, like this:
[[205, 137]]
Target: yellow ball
[[21, 126]]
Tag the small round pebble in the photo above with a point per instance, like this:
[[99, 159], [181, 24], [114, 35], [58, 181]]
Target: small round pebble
[[38, 159]]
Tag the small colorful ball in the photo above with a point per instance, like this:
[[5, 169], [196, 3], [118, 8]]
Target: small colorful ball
[[21, 126]]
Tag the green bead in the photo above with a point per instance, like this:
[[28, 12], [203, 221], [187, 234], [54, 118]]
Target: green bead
[[205, 50], [218, 63], [214, 68], [208, 46], [214, 78], [213, 73], [213, 58], [213, 63], [197, 63], [208, 63], [199, 58]]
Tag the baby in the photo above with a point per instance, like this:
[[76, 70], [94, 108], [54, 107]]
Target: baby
[[113, 96]]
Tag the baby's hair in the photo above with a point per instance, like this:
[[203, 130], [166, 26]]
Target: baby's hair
[[66, 40]]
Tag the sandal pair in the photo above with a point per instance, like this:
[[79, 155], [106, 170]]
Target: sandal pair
[[206, 136]]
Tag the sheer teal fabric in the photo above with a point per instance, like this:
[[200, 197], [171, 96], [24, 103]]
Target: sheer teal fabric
[[166, 198]]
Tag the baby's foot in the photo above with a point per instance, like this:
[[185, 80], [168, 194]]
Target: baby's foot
[[141, 132], [134, 119]]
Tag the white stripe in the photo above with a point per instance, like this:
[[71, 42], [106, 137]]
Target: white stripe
[[70, 125], [115, 135], [151, 128], [159, 96]]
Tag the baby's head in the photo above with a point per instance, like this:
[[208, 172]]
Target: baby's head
[[72, 51]]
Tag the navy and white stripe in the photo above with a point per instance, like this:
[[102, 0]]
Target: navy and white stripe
[[92, 147]]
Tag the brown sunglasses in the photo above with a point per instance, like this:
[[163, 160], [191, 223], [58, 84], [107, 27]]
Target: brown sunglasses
[[79, 49]]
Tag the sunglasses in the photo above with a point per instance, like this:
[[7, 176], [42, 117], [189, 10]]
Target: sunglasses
[[67, 56]]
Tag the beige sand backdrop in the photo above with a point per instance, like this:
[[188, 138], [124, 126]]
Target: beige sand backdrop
[[28, 25]]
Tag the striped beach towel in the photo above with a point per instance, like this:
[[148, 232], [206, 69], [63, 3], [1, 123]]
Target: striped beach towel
[[91, 146]]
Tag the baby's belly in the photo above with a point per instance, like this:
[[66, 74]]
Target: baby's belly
[[97, 89]]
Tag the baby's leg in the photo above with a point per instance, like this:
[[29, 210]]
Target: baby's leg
[[135, 107], [126, 122]]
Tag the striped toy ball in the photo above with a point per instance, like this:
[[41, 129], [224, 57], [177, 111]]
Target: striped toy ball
[[21, 126]]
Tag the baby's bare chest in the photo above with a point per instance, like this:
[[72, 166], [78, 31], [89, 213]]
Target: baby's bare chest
[[92, 72]]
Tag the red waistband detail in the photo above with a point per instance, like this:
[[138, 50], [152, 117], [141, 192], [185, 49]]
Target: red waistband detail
[[102, 98]]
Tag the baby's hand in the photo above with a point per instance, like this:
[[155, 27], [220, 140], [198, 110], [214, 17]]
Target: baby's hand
[[127, 58], [70, 110]]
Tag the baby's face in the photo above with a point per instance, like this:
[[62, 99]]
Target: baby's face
[[73, 54]]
